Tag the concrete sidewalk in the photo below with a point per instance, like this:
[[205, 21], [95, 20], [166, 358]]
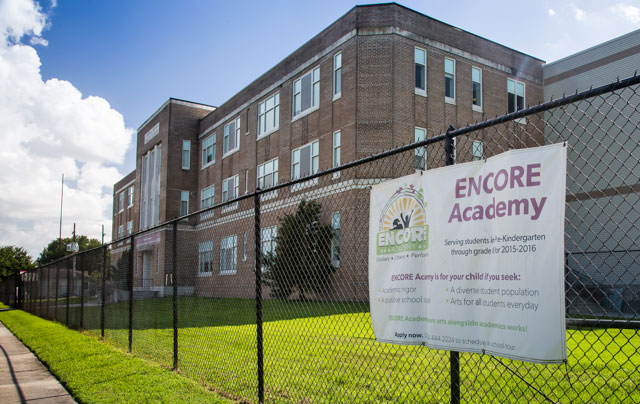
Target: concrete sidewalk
[[23, 379]]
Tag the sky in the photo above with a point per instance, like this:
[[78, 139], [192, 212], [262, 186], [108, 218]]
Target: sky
[[77, 78]]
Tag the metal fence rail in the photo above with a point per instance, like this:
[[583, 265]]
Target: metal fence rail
[[265, 297]]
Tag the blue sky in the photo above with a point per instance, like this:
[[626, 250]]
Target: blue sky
[[78, 77], [136, 54]]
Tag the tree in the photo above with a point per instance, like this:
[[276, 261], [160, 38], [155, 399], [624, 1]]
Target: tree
[[13, 260], [302, 258], [58, 249]]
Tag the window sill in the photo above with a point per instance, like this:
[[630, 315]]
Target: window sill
[[205, 274], [522, 121], [208, 215], [269, 195], [208, 164], [420, 92], [337, 96], [228, 272], [303, 185], [477, 108], [335, 175], [449, 100], [305, 113], [230, 152], [229, 208], [266, 134]]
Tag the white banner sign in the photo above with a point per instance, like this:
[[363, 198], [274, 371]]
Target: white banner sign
[[470, 257]]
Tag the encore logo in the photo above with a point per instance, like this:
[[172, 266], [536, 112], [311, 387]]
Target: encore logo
[[403, 223]]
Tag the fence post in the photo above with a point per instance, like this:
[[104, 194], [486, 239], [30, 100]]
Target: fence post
[[82, 292], [175, 295], [104, 274], [454, 357], [55, 315], [131, 256], [258, 271]]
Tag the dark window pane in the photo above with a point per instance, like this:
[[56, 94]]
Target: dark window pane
[[420, 79], [306, 92]]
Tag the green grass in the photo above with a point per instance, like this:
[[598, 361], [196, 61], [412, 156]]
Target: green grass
[[325, 353], [98, 373]]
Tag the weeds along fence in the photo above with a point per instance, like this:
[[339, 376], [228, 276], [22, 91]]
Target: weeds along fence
[[205, 295]]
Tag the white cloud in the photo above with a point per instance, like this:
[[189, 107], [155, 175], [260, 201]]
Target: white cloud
[[552, 12], [578, 14], [49, 128], [628, 12]]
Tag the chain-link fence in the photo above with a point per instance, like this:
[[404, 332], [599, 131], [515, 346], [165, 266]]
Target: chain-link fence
[[264, 298]]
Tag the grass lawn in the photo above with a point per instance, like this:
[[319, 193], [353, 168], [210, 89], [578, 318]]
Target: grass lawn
[[98, 373], [325, 353]]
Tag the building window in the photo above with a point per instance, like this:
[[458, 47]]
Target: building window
[[515, 95], [158, 262], [150, 188], [121, 231], [244, 247], [306, 92], [336, 149], [230, 188], [121, 202], [231, 139], [420, 153], [477, 150], [246, 182], [337, 75], [449, 80], [186, 154], [268, 174], [268, 242], [476, 88], [130, 197], [335, 241], [269, 115], [129, 227], [206, 201], [305, 160], [228, 254], [420, 62], [205, 259], [209, 150], [184, 203]]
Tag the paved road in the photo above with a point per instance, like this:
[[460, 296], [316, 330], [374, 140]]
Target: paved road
[[23, 379]]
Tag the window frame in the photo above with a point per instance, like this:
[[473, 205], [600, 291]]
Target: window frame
[[205, 255], [313, 167], [272, 232], [419, 90], [208, 214], [476, 107], [120, 231], [182, 199], [335, 239], [420, 150], [276, 116], [452, 77], [224, 245], [225, 188], [129, 230], [337, 76], [524, 93], [130, 193], [226, 135], [186, 148], [274, 172], [206, 147], [315, 94], [474, 148], [121, 198]]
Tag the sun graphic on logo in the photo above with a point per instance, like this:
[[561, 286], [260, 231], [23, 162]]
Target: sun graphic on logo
[[403, 210]]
